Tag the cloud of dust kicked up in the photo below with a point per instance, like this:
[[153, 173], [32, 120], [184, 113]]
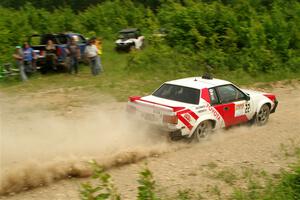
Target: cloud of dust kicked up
[[38, 148]]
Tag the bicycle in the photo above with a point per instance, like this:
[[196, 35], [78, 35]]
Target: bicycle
[[8, 70]]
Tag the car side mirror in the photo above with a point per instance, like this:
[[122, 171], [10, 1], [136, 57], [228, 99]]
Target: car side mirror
[[247, 98]]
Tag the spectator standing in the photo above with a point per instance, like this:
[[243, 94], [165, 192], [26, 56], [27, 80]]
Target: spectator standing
[[28, 57], [98, 43], [91, 53], [50, 55], [73, 51], [18, 56]]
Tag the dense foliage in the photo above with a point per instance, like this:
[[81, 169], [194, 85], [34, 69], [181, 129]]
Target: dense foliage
[[76, 5], [253, 36]]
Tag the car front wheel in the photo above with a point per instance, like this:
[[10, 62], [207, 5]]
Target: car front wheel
[[262, 116]]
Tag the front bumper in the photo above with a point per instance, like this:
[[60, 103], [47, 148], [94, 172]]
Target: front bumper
[[123, 46]]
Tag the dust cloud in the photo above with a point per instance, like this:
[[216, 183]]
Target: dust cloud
[[40, 147]]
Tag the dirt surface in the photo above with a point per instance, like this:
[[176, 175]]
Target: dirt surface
[[48, 137]]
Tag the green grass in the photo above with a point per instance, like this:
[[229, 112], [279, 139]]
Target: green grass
[[120, 82], [286, 187]]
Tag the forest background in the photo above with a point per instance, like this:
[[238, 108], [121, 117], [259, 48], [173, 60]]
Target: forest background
[[250, 37]]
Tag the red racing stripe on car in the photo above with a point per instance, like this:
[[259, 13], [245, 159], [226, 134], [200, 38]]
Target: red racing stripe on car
[[205, 95], [185, 122], [190, 112], [193, 115], [270, 96]]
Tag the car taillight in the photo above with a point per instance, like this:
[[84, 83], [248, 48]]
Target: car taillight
[[171, 119], [131, 109]]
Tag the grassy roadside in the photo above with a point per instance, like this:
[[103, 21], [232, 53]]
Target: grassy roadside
[[119, 82], [248, 183]]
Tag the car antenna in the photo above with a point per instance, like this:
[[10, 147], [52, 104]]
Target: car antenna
[[195, 79]]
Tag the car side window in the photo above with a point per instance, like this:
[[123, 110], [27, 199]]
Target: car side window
[[79, 39], [45, 39], [62, 39], [229, 93], [213, 96]]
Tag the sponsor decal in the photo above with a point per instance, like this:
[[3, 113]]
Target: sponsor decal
[[187, 117], [192, 114], [239, 109], [213, 111], [199, 107], [201, 111], [247, 108]]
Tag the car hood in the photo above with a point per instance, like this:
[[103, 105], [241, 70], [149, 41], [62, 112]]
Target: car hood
[[257, 95], [254, 93]]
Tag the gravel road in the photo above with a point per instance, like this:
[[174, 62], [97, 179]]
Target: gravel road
[[42, 136]]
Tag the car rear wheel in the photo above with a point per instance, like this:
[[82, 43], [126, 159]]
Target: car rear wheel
[[203, 129], [262, 116]]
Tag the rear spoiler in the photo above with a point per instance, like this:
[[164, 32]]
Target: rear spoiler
[[138, 99]]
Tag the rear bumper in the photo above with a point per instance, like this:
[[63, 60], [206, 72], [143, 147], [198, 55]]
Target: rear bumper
[[137, 117], [275, 106]]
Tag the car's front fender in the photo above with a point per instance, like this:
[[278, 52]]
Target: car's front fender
[[262, 101]]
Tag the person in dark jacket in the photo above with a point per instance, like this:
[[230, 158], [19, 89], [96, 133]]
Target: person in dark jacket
[[50, 55], [73, 52]]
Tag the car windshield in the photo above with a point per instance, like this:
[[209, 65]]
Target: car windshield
[[127, 35], [178, 93]]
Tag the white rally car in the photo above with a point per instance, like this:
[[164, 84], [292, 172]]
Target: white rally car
[[192, 107]]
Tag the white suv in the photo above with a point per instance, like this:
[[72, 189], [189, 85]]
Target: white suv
[[129, 39]]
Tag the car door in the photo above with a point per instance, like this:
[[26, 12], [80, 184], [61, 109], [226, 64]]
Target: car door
[[232, 104]]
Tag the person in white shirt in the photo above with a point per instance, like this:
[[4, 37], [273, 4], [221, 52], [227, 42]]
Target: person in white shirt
[[91, 53]]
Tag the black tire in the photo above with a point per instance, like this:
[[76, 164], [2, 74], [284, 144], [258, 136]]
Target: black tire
[[262, 116], [131, 48], [202, 130]]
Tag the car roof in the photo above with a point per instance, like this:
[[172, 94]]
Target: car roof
[[198, 82], [129, 30], [72, 34], [55, 34]]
